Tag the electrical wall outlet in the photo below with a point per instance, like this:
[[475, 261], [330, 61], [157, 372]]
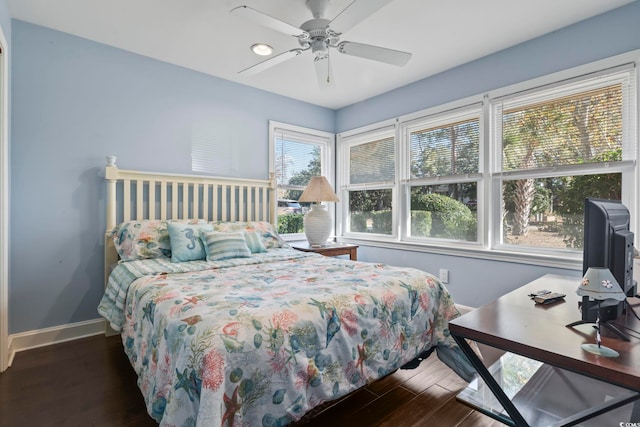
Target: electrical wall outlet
[[444, 275]]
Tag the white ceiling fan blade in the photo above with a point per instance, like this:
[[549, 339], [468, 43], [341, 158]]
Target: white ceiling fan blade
[[268, 63], [356, 12], [323, 71], [376, 53], [267, 21]]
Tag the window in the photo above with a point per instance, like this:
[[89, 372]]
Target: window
[[557, 146], [371, 177], [505, 172], [297, 154], [444, 171]]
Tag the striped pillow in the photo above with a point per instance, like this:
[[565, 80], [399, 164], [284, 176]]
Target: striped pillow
[[220, 246], [254, 242]]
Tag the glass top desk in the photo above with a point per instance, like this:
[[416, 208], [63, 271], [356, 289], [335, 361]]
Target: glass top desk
[[545, 377]]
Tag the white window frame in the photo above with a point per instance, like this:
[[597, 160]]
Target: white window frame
[[624, 74], [489, 185], [326, 140], [433, 120], [361, 136]]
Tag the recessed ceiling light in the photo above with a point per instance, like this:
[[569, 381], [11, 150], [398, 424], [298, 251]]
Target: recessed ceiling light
[[262, 49]]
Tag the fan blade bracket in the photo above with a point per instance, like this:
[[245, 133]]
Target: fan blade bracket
[[375, 53]]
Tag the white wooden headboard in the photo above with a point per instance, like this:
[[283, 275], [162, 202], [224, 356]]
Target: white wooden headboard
[[136, 195]]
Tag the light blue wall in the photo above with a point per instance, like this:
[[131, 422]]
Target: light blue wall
[[472, 281], [76, 101]]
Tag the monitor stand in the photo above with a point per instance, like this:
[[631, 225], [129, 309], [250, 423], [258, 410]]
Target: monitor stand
[[592, 310], [602, 323]]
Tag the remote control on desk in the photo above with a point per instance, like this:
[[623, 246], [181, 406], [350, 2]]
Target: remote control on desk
[[549, 298]]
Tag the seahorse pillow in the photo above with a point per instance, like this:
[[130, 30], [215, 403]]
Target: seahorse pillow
[[185, 241]]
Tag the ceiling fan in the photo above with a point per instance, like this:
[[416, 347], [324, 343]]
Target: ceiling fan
[[320, 34]]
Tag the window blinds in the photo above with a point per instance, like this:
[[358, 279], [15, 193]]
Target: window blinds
[[445, 150], [577, 123], [373, 162], [297, 158]]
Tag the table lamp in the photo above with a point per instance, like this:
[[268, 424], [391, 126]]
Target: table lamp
[[317, 222], [598, 284]]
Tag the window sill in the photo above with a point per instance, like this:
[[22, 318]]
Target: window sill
[[569, 261]]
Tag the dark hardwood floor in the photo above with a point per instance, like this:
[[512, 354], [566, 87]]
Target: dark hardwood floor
[[89, 382]]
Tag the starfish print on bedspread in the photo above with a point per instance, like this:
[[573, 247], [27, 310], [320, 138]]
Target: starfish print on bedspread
[[362, 357], [232, 406], [189, 382]]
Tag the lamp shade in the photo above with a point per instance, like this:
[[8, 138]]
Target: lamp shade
[[317, 222], [598, 283], [318, 190]]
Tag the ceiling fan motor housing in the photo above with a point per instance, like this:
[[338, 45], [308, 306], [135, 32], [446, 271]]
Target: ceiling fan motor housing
[[320, 37]]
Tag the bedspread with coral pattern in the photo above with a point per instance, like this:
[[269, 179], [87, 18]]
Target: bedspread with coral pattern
[[261, 343]]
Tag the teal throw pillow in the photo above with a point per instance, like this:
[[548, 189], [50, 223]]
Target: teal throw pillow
[[185, 241]]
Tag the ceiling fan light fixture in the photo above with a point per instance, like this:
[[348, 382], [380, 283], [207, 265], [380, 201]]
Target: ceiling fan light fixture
[[262, 49]]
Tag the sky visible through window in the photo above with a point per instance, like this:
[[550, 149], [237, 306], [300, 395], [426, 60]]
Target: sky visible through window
[[292, 157]]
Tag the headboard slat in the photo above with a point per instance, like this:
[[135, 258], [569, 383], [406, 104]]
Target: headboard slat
[[163, 200], [152, 199], [139, 198], [186, 187], [126, 199], [232, 206], [205, 201], [223, 204], [248, 203], [214, 204], [265, 211], [174, 200], [196, 201]]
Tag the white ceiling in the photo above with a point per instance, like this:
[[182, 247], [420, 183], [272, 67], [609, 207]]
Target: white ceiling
[[202, 35]]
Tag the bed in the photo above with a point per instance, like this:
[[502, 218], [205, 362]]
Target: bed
[[257, 337]]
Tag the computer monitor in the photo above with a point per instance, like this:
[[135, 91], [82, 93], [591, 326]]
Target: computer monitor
[[608, 242]]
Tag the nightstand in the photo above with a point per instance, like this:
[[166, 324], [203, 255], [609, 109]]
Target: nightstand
[[331, 249]]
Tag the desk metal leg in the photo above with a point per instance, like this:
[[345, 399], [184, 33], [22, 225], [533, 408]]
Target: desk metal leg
[[495, 388], [635, 412], [600, 409]]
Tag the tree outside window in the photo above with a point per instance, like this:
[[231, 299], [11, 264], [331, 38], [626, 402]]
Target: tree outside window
[[580, 131], [443, 197], [298, 154], [372, 171]]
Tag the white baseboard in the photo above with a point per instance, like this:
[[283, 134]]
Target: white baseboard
[[54, 335]]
